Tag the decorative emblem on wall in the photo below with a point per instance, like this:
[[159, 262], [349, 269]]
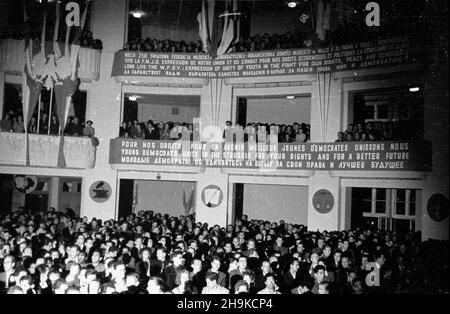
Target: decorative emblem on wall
[[437, 207], [323, 201], [100, 191], [25, 184], [212, 196]]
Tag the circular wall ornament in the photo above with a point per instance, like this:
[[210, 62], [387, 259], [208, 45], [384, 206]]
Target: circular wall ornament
[[323, 201], [437, 207], [100, 191], [25, 184], [212, 196]]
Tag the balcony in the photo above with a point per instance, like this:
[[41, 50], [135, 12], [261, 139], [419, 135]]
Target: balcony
[[12, 59], [43, 149]]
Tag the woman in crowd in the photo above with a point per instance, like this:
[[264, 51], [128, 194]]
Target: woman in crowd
[[54, 125], [19, 126], [32, 126]]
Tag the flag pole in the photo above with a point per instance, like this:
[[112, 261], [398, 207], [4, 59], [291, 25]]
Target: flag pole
[[39, 115], [50, 111]]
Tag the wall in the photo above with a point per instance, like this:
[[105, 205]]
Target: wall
[[164, 113], [161, 33], [164, 197], [279, 110], [275, 202]]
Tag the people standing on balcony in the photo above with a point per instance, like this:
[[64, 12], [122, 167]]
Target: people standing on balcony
[[140, 133], [123, 129], [77, 128], [5, 123], [133, 129], [32, 126], [88, 130], [54, 125], [43, 124], [19, 126]]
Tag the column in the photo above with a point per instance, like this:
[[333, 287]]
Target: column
[[436, 130], [328, 219], [2, 91], [54, 192], [212, 179], [109, 20]]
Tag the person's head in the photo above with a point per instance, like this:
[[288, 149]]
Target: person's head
[[380, 259], [211, 279], [364, 261], [161, 254], [119, 270], [26, 283], [269, 281], [345, 262], [323, 288], [215, 264], [196, 265], [177, 258], [96, 257], [357, 286], [182, 277], [241, 287], [248, 276], [9, 262], [294, 265], [314, 258], [132, 280], [327, 251], [73, 290], [242, 262], [337, 256], [61, 286], [265, 267], [74, 269], [319, 273], [155, 285]]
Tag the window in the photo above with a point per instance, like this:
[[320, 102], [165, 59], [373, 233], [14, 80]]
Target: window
[[388, 209]]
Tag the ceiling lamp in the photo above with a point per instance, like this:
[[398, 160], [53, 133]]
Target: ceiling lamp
[[292, 4], [133, 98], [414, 89], [138, 13], [290, 97]]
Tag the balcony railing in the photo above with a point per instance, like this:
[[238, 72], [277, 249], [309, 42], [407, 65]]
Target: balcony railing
[[12, 59], [43, 150]]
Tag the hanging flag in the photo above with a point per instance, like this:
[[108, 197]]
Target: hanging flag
[[218, 26], [55, 70]]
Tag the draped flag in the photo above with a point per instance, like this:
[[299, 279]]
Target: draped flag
[[52, 70], [218, 26], [189, 203]]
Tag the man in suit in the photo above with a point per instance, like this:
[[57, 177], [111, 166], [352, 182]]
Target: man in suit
[[7, 278], [170, 272], [215, 266], [292, 278], [159, 264], [239, 272]]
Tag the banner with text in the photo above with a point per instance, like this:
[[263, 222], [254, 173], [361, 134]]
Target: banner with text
[[401, 156], [377, 53]]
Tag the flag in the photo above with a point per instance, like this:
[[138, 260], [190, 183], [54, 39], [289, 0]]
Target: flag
[[52, 69], [218, 26]]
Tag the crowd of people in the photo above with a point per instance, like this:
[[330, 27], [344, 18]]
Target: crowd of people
[[13, 122], [53, 252], [252, 43], [151, 130], [377, 131], [86, 39]]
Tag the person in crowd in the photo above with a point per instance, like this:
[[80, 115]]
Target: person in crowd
[[76, 128], [5, 123], [88, 130], [212, 287], [44, 124], [32, 126], [271, 286], [54, 125], [19, 126]]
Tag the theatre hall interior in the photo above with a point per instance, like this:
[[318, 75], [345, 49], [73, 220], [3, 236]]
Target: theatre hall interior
[[224, 147]]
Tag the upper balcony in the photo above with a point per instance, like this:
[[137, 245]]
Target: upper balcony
[[43, 151], [12, 59]]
